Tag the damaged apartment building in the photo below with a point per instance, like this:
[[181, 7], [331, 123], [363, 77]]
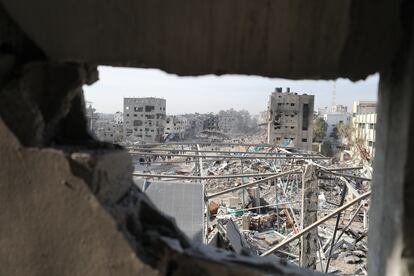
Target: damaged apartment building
[[290, 119], [176, 127], [144, 119]]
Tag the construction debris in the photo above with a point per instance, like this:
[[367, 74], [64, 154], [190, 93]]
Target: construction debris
[[264, 200]]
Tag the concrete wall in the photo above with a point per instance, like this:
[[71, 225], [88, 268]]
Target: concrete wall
[[144, 119], [290, 123], [333, 119]]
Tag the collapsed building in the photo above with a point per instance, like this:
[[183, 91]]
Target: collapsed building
[[109, 128], [144, 119], [176, 126], [290, 119], [263, 200], [237, 122]]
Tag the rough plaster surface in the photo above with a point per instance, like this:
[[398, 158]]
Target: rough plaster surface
[[391, 240], [278, 38], [309, 241], [51, 224]]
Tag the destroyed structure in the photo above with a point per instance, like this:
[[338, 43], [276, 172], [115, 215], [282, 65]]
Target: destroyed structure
[[69, 206], [263, 200], [144, 119], [236, 122], [176, 127], [290, 119], [91, 117], [109, 128]]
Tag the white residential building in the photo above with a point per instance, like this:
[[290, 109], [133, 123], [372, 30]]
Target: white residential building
[[109, 131], [333, 119], [339, 108], [364, 121]]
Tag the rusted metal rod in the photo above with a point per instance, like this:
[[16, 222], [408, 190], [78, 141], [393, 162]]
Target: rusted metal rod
[[203, 177], [228, 156], [254, 183], [315, 224], [223, 151]]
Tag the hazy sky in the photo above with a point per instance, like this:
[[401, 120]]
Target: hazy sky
[[211, 93]]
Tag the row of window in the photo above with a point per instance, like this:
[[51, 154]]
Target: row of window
[[279, 127], [370, 126], [148, 108], [149, 116], [280, 104], [291, 138]]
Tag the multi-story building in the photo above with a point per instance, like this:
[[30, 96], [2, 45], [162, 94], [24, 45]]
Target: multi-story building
[[233, 121], [363, 107], [211, 122], [91, 117], [333, 119], [119, 117], [109, 131], [339, 108], [228, 120], [144, 119], [322, 111], [364, 120], [177, 125], [290, 119]]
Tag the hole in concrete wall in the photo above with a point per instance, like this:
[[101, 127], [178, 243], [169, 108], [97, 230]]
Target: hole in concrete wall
[[205, 118]]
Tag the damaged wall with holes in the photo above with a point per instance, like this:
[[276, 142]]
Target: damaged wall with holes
[[291, 117]]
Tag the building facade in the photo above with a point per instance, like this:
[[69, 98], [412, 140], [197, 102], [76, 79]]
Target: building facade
[[91, 117], [119, 117], [109, 131], [339, 108], [290, 119], [177, 125], [364, 122], [144, 119], [211, 122], [333, 119]]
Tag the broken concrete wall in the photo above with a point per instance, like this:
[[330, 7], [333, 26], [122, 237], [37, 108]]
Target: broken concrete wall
[[52, 224], [309, 241], [291, 39], [391, 239]]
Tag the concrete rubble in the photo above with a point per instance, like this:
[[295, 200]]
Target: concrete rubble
[[269, 212]]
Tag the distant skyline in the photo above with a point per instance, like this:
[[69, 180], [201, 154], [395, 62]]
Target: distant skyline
[[211, 93]]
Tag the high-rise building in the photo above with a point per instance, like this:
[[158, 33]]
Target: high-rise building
[[144, 119], [290, 119]]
